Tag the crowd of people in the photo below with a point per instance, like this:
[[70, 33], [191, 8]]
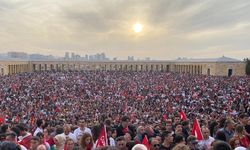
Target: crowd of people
[[66, 110]]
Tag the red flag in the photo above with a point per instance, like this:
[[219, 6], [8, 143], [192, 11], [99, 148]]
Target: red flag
[[196, 131], [2, 119], [102, 139], [145, 142], [183, 116], [164, 117]]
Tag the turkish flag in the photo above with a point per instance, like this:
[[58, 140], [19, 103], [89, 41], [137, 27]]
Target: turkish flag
[[2, 119], [145, 142], [183, 116], [102, 139], [196, 131]]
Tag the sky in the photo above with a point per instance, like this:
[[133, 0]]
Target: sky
[[171, 28]]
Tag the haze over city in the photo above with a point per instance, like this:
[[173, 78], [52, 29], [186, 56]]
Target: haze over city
[[160, 29]]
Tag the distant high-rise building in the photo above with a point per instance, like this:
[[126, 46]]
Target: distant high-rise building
[[41, 57], [91, 57], [67, 56], [86, 57], [103, 56], [73, 56], [131, 58], [77, 57], [20, 55]]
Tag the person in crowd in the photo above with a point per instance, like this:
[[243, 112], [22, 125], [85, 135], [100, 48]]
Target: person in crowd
[[68, 134], [12, 137], [128, 137], [42, 140], [185, 128], [140, 132], [221, 145], [167, 139], [228, 129], [243, 120], [34, 143], [41, 147], [82, 128], [59, 142], [87, 142], [111, 140], [234, 142], [207, 139], [79, 139], [25, 137], [179, 139], [9, 146], [69, 144], [192, 142], [121, 143], [124, 127], [139, 147], [239, 134], [220, 135], [154, 144], [178, 129], [181, 146], [39, 124]]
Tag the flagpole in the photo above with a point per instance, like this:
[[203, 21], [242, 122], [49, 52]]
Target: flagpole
[[106, 136], [199, 127]]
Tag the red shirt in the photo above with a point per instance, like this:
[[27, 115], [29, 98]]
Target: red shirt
[[244, 141], [26, 141]]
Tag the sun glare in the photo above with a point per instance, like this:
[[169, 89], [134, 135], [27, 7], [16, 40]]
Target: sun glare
[[137, 27]]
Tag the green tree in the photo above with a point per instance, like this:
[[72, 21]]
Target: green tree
[[247, 66]]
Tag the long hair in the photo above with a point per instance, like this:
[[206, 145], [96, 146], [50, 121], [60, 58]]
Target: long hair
[[83, 140]]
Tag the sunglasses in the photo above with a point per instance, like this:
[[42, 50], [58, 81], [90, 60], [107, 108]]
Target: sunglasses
[[157, 145]]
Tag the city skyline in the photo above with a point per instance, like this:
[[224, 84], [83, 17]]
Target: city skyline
[[171, 29]]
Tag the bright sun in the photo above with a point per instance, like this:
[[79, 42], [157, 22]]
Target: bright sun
[[137, 27]]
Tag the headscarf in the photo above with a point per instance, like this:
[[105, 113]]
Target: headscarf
[[61, 140]]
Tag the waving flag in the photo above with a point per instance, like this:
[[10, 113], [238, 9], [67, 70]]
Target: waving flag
[[196, 131], [145, 142], [102, 139], [183, 116]]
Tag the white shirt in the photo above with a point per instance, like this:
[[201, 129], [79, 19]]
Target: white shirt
[[111, 142], [47, 145], [206, 143], [71, 136], [20, 138], [22, 147], [37, 130], [78, 131]]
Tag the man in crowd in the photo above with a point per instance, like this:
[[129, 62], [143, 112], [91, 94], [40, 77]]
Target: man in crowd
[[25, 137], [34, 143], [39, 124], [228, 129], [167, 141], [12, 137], [68, 134], [124, 127], [154, 144], [207, 139], [82, 129]]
